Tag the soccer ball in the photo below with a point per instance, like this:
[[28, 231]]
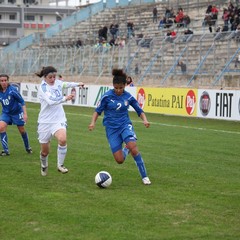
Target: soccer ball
[[103, 179]]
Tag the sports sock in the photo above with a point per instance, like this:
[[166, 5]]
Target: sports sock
[[44, 161], [140, 164], [25, 140], [4, 141], [61, 154]]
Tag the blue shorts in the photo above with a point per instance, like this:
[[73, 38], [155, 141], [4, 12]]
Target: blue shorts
[[16, 119], [116, 137]]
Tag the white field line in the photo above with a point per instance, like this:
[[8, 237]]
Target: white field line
[[158, 123]]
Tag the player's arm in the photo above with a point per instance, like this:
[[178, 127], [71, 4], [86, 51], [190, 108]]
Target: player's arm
[[98, 111], [145, 121], [72, 84], [25, 116], [91, 126], [52, 100], [134, 103]]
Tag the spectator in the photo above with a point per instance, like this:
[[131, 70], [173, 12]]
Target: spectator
[[237, 61], [113, 42], [214, 14], [136, 70], [219, 33], [105, 45], [114, 30], [130, 30], [183, 67], [187, 35], [155, 14], [102, 33], [120, 42], [167, 13], [235, 22], [170, 36], [79, 43], [230, 6], [129, 82], [237, 33], [179, 18], [169, 23], [225, 16], [209, 10], [208, 21], [162, 23], [186, 20]]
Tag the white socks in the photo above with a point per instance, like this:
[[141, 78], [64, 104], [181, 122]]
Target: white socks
[[61, 154]]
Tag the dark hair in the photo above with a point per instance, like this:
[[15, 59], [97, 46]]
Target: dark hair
[[4, 75], [45, 71], [119, 76], [129, 80]]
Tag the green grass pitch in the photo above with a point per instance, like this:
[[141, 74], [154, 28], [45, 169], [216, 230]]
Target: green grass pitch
[[194, 166]]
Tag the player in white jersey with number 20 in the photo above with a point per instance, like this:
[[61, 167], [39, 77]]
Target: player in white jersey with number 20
[[52, 120]]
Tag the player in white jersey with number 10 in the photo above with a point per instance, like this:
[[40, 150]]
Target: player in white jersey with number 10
[[52, 120]]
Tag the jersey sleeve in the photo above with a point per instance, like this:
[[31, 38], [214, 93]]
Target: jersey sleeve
[[134, 103], [101, 104], [70, 84], [17, 96]]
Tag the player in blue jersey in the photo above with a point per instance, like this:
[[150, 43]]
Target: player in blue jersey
[[119, 129], [13, 112]]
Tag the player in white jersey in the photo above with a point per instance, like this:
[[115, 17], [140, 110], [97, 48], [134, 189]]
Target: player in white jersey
[[52, 120]]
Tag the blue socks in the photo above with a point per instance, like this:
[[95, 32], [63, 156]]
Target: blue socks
[[140, 164], [4, 141], [138, 160], [25, 140]]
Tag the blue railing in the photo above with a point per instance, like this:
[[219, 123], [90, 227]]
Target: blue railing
[[201, 64], [225, 68], [69, 22], [75, 18], [174, 65], [21, 43]]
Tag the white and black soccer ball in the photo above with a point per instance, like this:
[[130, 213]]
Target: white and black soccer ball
[[103, 179]]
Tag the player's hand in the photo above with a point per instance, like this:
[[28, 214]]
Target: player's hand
[[147, 124], [91, 126], [70, 97], [25, 118]]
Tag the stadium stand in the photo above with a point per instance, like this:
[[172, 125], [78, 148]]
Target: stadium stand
[[209, 57]]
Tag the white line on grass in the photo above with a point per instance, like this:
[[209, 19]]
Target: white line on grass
[[171, 125], [161, 124]]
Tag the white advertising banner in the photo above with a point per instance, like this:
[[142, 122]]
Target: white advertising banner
[[215, 104], [88, 96], [29, 92], [219, 104]]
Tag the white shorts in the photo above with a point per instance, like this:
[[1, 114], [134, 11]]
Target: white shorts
[[46, 131]]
